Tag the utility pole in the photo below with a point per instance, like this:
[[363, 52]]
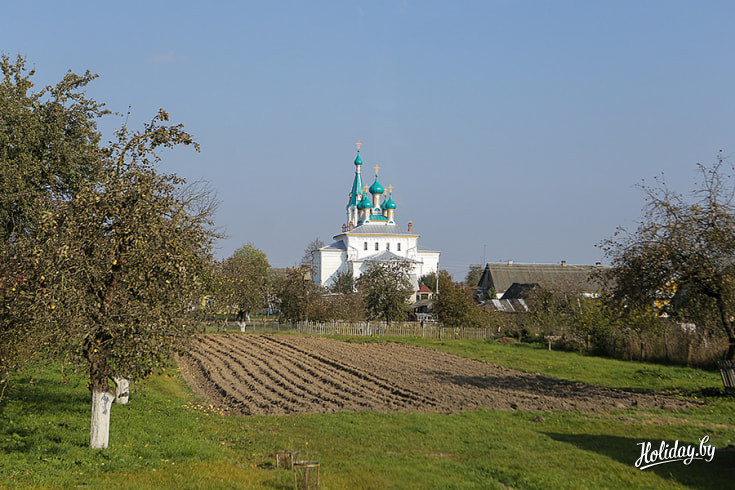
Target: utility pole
[[437, 277]]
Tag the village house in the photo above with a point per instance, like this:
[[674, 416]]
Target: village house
[[504, 286]]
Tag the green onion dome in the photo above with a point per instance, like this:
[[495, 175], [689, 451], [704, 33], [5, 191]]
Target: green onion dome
[[389, 204], [364, 203], [358, 160], [376, 188]]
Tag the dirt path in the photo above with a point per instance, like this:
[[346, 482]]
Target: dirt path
[[262, 375]]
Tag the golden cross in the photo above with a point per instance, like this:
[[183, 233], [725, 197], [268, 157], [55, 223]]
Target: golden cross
[[365, 189], [358, 145], [376, 169], [390, 189]]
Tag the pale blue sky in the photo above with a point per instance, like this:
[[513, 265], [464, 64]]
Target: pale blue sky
[[522, 126]]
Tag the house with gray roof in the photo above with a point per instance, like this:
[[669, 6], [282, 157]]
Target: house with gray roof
[[518, 278]]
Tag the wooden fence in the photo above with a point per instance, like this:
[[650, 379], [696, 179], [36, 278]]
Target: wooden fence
[[382, 329], [727, 372]]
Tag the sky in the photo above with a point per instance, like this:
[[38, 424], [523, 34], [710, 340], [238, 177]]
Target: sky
[[508, 129]]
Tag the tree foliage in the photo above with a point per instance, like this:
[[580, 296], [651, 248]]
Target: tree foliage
[[48, 148], [472, 279], [682, 254], [343, 283], [302, 300], [104, 270], [109, 273], [244, 281], [386, 288], [454, 307], [552, 308], [445, 279], [49, 143], [314, 245], [296, 295]]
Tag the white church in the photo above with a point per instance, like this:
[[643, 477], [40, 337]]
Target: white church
[[371, 235]]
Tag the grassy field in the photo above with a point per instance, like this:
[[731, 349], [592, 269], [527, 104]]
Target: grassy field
[[167, 438]]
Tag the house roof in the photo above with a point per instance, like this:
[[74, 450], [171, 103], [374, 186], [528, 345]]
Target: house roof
[[518, 291], [423, 302], [577, 278], [506, 305], [424, 289]]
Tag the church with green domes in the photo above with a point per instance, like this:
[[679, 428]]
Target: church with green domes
[[371, 234]]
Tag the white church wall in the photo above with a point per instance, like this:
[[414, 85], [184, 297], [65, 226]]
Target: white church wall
[[327, 265], [429, 261], [399, 245]]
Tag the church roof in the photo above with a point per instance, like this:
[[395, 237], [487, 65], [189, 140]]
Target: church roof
[[423, 249], [371, 229], [378, 217], [376, 188], [356, 190], [334, 246], [387, 256], [365, 203]]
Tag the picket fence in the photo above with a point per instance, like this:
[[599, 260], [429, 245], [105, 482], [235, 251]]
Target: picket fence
[[382, 329]]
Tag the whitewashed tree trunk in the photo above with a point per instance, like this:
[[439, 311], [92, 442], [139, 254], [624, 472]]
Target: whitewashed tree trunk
[[242, 325], [122, 390], [99, 434]]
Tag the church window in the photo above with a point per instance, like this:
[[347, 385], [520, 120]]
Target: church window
[[376, 246], [387, 246], [399, 246], [365, 246]]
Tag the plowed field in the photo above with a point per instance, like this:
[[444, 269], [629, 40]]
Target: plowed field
[[262, 374]]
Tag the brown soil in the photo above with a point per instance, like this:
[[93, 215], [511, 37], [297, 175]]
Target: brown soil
[[263, 374]]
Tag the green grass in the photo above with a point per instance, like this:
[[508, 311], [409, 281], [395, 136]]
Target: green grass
[[166, 438]]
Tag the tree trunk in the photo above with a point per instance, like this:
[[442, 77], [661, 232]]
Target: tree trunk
[[99, 434], [102, 398], [643, 348], [726, 320], [122, 390]]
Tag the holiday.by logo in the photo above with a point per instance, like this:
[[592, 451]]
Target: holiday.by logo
[[669, 454]]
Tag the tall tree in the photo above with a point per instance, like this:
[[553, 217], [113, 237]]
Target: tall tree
[[109, 274], [386, 288], [245, 279], [683, 243], [454, 307], [472, 278], [313, 246], [296, 295], [430, 280]]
